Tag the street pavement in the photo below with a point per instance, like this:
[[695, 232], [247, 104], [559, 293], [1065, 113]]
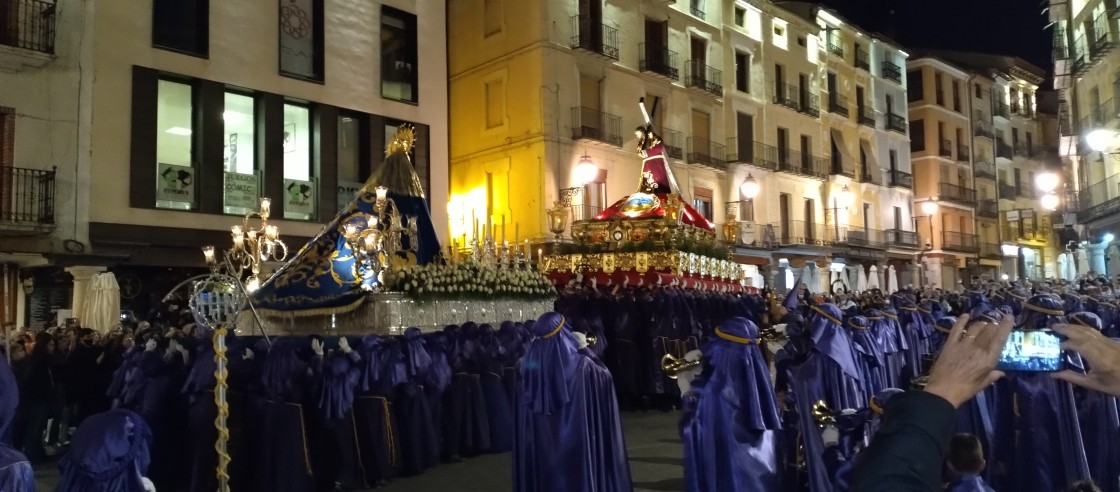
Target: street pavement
[[656, 463]]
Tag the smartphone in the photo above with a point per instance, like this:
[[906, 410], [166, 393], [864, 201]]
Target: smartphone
[[1031, 351]]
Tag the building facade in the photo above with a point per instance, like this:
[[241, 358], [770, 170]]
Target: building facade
[[1087, 78], [979, 144], [743, 93], [197, 110]]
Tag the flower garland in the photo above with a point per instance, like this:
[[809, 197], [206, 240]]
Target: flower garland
[[470, 280]]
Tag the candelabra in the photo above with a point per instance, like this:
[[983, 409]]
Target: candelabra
[[376, 238], [251, 247]]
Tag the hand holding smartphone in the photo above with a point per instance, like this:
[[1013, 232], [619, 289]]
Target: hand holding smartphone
[[1031, 351]]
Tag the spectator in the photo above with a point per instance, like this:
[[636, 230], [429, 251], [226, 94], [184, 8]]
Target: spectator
[[966, 462]]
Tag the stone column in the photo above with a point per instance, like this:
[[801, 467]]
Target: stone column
[[82, 276], [1096, 258]]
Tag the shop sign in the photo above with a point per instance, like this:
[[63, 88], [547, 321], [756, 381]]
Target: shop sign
[[299, 197], [175, 183], [241, 191]]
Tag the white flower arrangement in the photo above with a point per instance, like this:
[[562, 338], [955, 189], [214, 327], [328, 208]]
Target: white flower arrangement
[[470, 280]]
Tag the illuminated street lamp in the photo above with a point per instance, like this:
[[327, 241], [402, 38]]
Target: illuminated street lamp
[[586, 171], [1098, 140], [1047, 181], [1050, 201], [750, 188]]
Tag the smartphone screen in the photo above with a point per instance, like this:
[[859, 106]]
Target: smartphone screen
[[1031, 351]]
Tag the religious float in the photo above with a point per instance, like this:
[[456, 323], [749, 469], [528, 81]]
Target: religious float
[[651, 237]]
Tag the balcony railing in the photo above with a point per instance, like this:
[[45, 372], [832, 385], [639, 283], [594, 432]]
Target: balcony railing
[[753, 153], [704, 77], [861, 237], [590, 124], [892, 72], [902, 179], [800, 232], [1025, 190], [810, 104], [28, 24], [999, 108], [787, 95], [896, 123], [792, 161], [946, 148], [902, 239], [1099, 199], [1023, 150], [863, 62], [963, 153], [836, 48], [865, 174], [983, 128], [697, 8], [26, 199], [594, 37], [988, 208], [1100, 41], [707, 153], [837, 104], [866, 115], [990, 250], [958, 194], [984, 169], [674, 143], [1003, 149], [1007, 191], [661, 62], [960, 241], [765, 156]]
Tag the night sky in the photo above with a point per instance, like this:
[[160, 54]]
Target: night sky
[[1001, 27]]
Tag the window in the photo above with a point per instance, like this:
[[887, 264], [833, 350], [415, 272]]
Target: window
[[1018, 180], [893, 159], [956, 96], [939, 89], [702, 201], [801, 41], [175, 172], [742, 72], [779, 37], [7, 139], [349, 159], [182, 25], [495, 103], [740, 17], [241, 190], [398, 55], [979, 92], [493, 19], [697, 8], [914, 86], [299, 190], [898, 218], [301, 39], [917, 136]]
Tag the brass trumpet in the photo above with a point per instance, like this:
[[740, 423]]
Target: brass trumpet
[[673, 366], [822, 414]]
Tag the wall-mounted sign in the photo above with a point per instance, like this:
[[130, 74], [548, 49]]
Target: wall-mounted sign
[[241, 191], [175, 183], [299, 197]]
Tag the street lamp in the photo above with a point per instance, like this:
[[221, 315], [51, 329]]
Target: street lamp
[[842, 199], [1049, 201], [750, 188], [586, 171], [1047, 181], [1098, 139], [929, 208]]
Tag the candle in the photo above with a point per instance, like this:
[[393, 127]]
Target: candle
[[349, 230], [208, 252], [372, 223], [503, 228], [238, 236], [528, 252], [516, 232], [475, 222], [271, 232], [381, 191], [266, 207]]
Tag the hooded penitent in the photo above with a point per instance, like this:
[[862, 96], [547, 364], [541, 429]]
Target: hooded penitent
[[729, 423], [15, 471], [829, 374], [109, 453], [1100, 422], [568, 435]]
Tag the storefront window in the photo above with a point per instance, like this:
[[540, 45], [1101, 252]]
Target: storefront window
[[299, 189], [241, 179], [175, 173], [349, 177]]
